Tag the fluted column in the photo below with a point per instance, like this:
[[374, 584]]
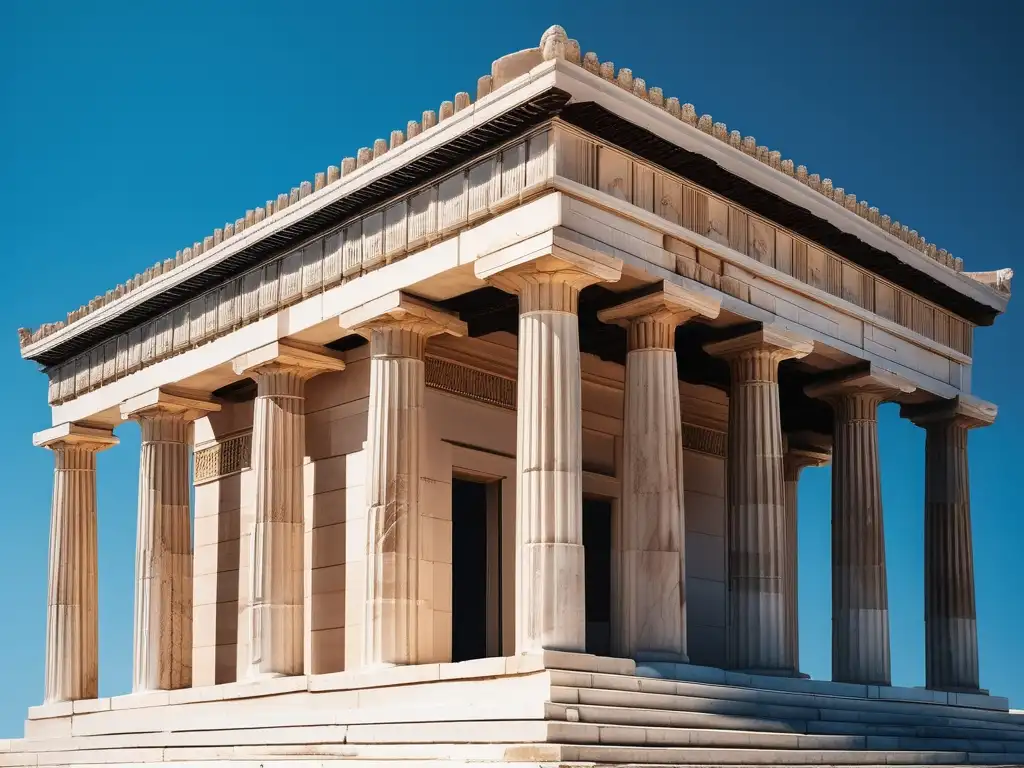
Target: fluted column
[[398, 328], [802, 451], [72, 619], [950, 617], [275, 611], [163, 553], [860, 600], [550, 606], [651, 529], [756, 634]]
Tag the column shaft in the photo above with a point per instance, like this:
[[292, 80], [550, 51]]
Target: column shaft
[[397, 392], [550, 594], [163, 558], [72, 620], [549, 470], [792, 477], [860, 603], [756, 519], [654, 597], [951, 630], [276, 554]]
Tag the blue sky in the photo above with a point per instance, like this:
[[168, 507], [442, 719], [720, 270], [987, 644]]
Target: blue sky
[[129, 130]]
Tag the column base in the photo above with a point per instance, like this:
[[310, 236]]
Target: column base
[[772, 672], [668, 656], [954, 689]]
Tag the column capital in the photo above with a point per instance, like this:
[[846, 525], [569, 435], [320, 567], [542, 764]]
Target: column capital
[[161, 402], [652, 317], [780, 343], [805, 449], [869, 383], [85, 436], [280, 356], [965, 411], [400, 310], [548, 279]]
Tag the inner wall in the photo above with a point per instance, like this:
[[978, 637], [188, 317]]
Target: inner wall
[[463, 438]]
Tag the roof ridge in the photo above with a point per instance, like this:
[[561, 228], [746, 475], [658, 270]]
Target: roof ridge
[[554, 43]]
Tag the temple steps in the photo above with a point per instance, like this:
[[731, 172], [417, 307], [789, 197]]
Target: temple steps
[[656, 717]]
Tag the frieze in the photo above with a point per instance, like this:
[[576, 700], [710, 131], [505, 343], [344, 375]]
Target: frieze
[[485, 187], [469, 382], [588, 161], [704, 440], [482, 188], [225, 457]]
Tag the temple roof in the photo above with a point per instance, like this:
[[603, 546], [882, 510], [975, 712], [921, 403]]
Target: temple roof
[[137, 295]]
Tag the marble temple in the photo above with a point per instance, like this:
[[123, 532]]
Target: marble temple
[[483, 448]]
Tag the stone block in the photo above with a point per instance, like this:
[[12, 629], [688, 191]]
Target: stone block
[[328, 650], [704, 513], [705, 557], [705, 602], [329, 544], [328, 610]]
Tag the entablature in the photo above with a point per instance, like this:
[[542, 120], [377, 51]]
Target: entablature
[[554, 155], [524, 89]]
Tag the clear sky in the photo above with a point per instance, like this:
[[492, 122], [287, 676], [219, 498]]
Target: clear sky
[[129, 130]]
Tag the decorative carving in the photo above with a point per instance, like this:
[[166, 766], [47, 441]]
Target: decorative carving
[[226, 457], [706, 214], [703, 440], [378, 237], [473, 383]]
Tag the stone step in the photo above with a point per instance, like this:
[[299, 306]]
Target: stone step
[[991, 739], [806, 701], [613, 715], [706, 756], [925, 731], [639, 735], [450, 754]]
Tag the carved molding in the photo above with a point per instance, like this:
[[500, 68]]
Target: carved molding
[[490, 185], [704, 440], [225, 457], [586, 160], [473, 383], [496, 389]]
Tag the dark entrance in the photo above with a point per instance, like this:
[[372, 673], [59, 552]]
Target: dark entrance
[[469, 570], [597, 546]]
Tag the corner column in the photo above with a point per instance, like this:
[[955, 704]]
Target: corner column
[[397, 327], [550, 607], [756, 631], [275, 610], [802, 450], [860, 599], [163, 553], [652, 573], [950, 615], [72, 619]]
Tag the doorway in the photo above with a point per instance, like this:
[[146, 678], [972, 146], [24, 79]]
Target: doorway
[[476, 553], [597, 554]]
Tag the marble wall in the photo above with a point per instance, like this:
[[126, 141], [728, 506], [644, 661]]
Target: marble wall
[[471, 437]]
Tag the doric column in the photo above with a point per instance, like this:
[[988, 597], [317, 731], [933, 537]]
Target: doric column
[[275, 611], [950, 619], [163, 552], [756, 516], [398, 327], [802, 450], [72, 619], [652, 571], [550, 607], [860, 601]]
